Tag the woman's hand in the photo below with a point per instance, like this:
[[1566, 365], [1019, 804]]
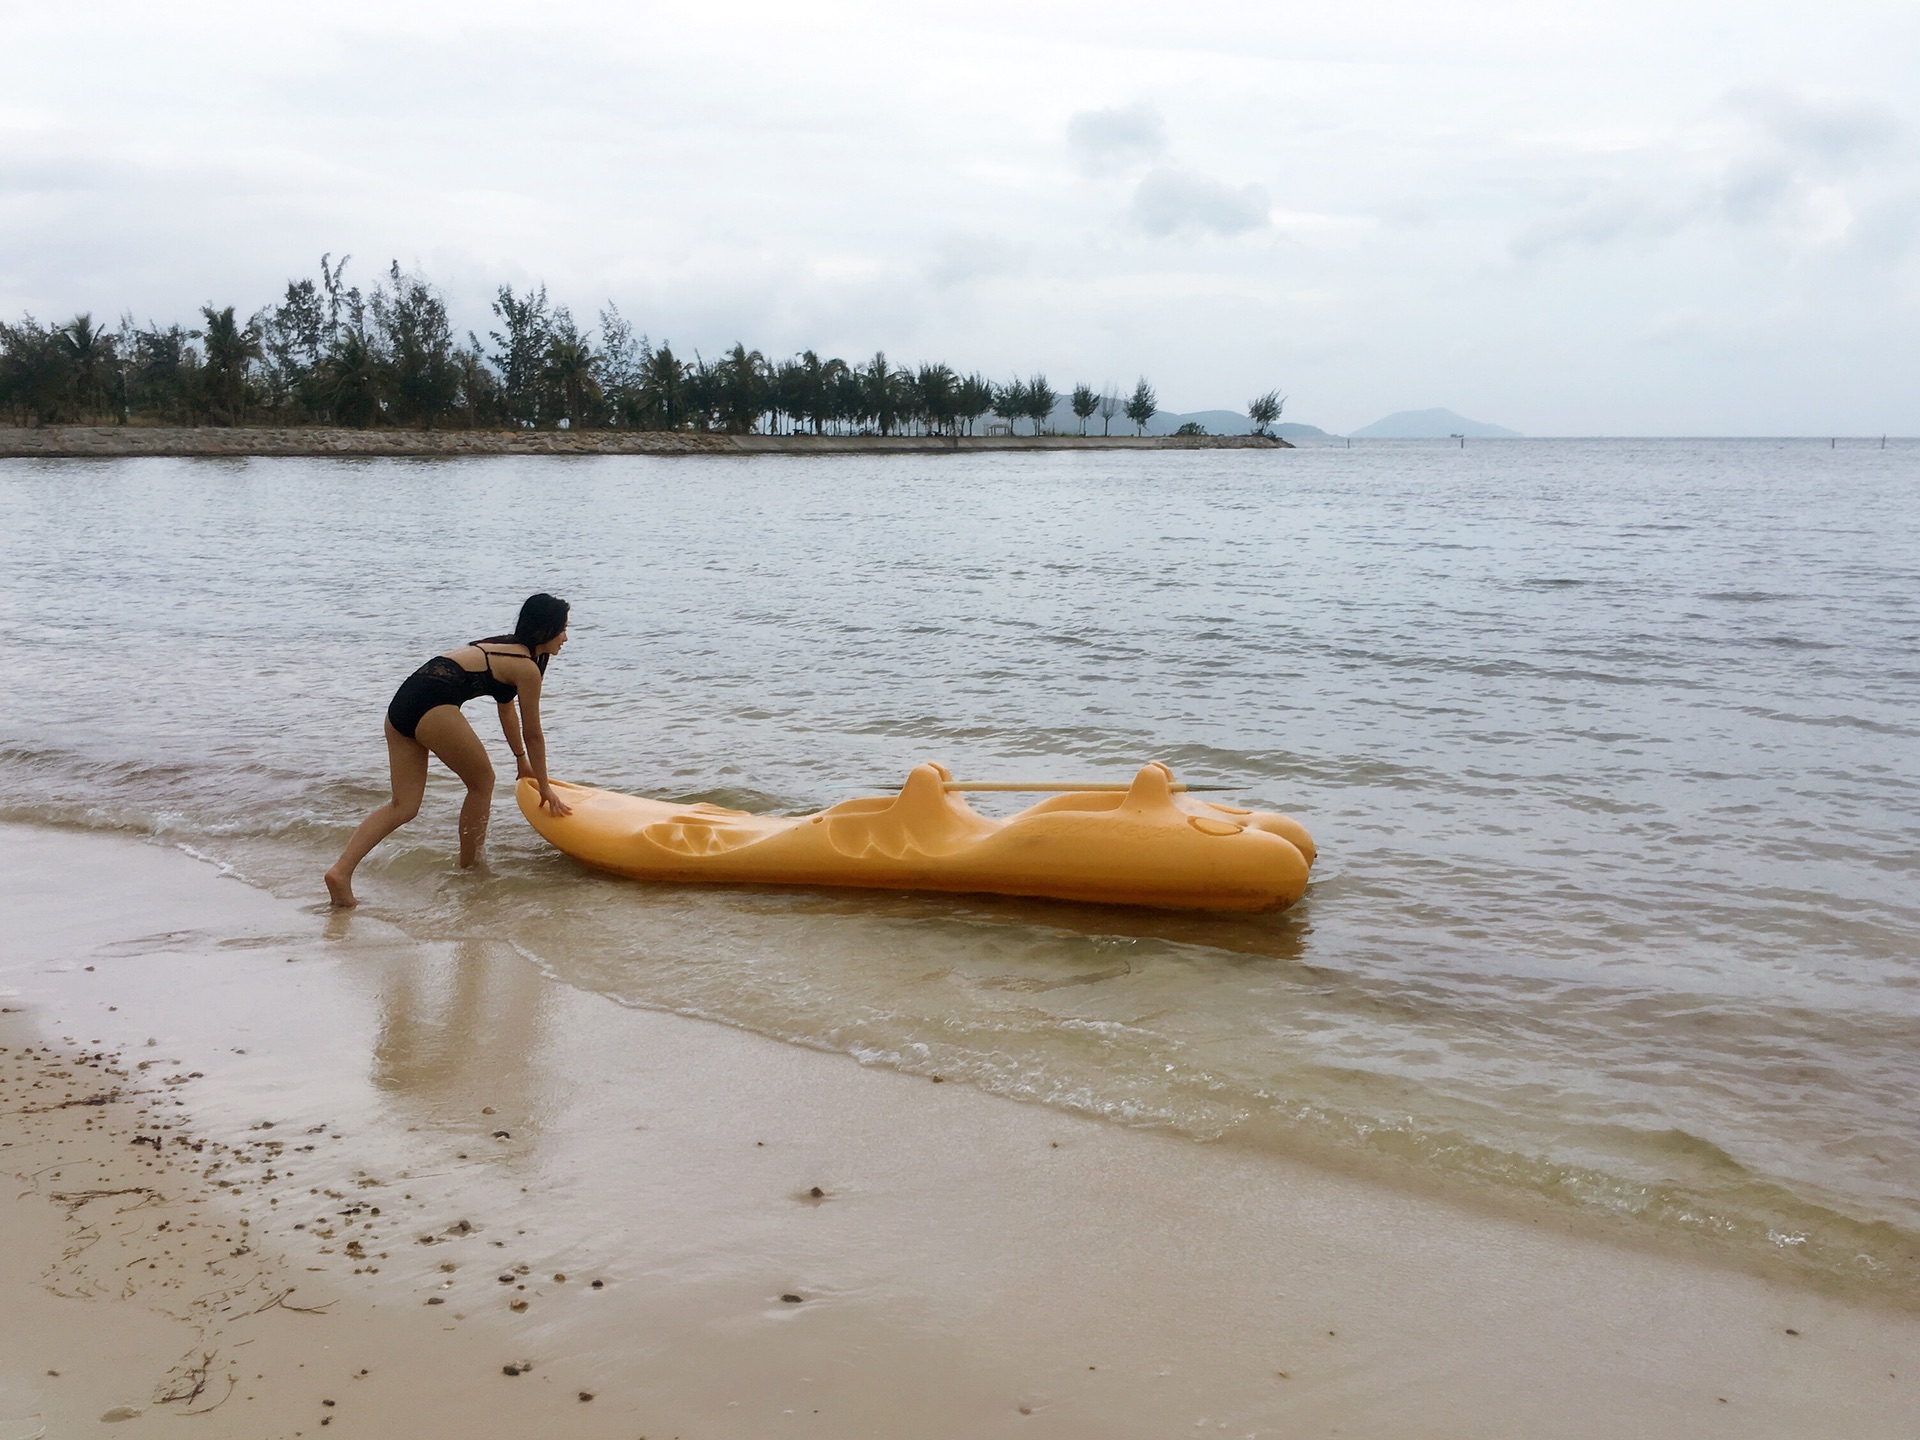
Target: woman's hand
[[554, 804], [525, 767]]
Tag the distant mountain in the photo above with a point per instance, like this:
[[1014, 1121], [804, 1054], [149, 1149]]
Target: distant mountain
[[1432, 425], [1289, 430]]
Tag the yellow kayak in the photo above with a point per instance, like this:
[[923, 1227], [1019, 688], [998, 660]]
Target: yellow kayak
[[1148, 845]]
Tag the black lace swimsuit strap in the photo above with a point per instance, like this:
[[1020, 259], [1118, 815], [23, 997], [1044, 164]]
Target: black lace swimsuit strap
[[500, 689], [445, 681]]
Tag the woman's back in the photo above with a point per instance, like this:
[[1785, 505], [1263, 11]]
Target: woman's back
[[503, 661]]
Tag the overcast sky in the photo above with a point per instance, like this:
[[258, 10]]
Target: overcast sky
[[1630, 217]]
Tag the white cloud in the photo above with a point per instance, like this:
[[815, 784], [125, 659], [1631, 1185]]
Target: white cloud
[[1832, 135], [1020, 187], [1108, 142], [1169, 199], [1637, 211], [958, 259], [1807, 172]]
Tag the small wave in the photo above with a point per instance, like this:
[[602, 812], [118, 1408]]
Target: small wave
[[221, 867], [1836, 722], [1795, 642]]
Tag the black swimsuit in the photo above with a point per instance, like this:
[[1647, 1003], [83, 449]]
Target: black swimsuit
[[445, 681]]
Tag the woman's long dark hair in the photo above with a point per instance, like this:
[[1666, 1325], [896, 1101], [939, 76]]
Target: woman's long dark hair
[[542, 617]]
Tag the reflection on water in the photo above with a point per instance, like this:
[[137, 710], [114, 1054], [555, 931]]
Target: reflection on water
[[454, 1022], [1609, 749]]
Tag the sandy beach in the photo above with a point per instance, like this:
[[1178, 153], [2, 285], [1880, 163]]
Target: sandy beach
[[276, 1171]]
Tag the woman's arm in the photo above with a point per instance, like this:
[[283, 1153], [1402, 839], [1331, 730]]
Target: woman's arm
[[510, 727], [533, 758]]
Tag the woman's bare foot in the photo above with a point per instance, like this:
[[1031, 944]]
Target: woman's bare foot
[[341, 889]]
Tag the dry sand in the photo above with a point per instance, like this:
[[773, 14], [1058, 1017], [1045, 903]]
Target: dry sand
[[251, 1142]]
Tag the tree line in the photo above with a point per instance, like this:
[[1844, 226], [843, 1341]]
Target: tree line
[[329, 353]]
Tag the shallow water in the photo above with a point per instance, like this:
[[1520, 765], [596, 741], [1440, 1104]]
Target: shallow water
[[1609, 748]]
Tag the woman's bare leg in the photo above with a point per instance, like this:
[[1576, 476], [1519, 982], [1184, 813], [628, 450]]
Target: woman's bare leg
[[447, 733], [407, 765]]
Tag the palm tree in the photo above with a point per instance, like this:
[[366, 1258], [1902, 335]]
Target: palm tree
[[350, 381], [882, 392], [815, 389], [909, 404], [329, 352], [848, 398], [703, 387], [818, 387], [572, 369], [1142, 405], [743, 393], [939, 396], [1085, 402], [974, 398], [90, 354], [1263, 410], [163, 370], [786, 394], [1040, 398], [230, 347], [663, 391], [807, 403]]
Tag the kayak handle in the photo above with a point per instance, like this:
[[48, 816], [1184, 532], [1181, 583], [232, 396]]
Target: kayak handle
[[1063, 786]]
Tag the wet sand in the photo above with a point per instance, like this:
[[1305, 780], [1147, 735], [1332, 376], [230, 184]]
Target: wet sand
[[251, 1142]]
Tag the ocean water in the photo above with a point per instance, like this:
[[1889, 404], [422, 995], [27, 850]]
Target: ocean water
[[1609, 749]]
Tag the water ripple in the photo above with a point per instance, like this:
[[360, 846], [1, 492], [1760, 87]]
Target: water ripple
[[1608, 747]]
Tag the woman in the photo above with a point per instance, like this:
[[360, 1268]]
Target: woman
[[424, 719]]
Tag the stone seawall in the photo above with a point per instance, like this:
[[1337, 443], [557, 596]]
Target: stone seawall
[[104, 441]]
